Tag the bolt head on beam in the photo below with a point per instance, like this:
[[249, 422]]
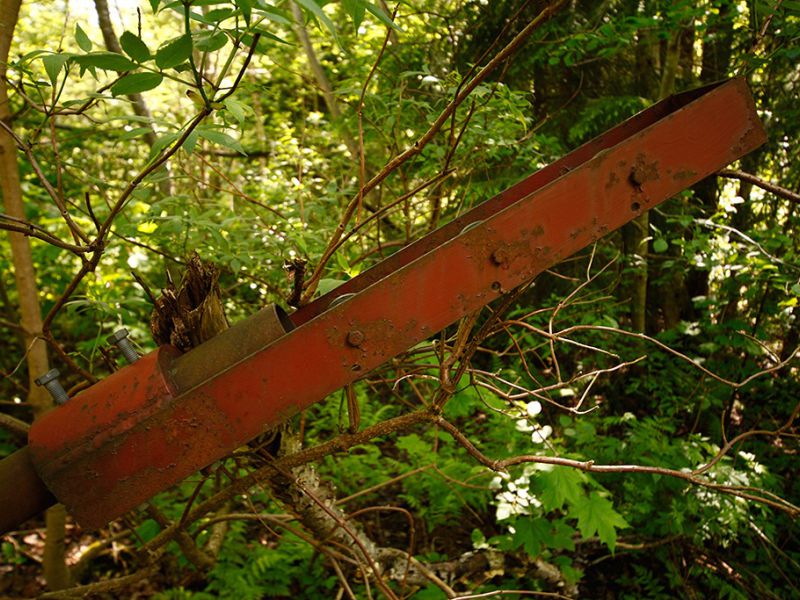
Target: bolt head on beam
[[117, 336], [51, 375]]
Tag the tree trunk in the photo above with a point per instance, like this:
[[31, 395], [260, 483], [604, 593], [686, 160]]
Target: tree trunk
[[322, 80], [668, 288], [139, 105], [112, 44], [715, 65], [35, 349], [635, 233]]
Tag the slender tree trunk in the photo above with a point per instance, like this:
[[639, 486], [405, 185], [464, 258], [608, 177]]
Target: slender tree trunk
[[669, 289], [35, 350], [112, 44], [636, 234], [140, 107], [322, 79], [716, 61], [331, 103]]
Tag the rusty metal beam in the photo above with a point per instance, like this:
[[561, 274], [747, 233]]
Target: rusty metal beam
[[139, 432]]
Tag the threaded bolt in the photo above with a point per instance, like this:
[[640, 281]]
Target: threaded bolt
[[51, 383], [120, 339]]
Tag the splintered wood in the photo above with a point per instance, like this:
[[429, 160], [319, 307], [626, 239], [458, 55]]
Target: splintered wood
[[192, 313]]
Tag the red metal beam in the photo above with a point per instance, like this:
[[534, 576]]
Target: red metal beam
[[137, 432]]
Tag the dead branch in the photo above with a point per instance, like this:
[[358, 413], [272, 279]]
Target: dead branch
[[772, 188]]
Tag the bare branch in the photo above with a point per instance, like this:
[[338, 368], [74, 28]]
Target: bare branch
[[772, 188]]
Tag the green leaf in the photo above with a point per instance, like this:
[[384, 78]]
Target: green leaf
[[378, 12], [162, 142], [108, 61], [174, 52], [223, 139], [477, 537], [210, 41], [791, 7], [148, 530], [562, 537], [317, 11], [154, 5], [275, 16], [236, 109], [134, 47], [246, 6], [532, 534], [430, 592], [147, 227], [559, 485], [84, 43], [190, 142], [53, 63], [219, 14], [355, 9], [595, 514], [660, 245], [134, 133], [327, 285], [265, 34], [136, 83]]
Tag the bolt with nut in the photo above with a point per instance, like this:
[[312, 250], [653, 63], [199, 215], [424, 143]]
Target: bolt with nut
[[51, 383], [120, 339]]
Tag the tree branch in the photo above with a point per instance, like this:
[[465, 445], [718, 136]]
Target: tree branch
[[779, 191]]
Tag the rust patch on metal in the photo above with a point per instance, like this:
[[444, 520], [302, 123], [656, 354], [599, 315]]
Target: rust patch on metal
[[613, 178], [643, 171]]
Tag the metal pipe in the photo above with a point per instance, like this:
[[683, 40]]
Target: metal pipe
[[229, 347]]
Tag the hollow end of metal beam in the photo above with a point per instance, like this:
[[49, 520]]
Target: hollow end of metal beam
[[22, 494]]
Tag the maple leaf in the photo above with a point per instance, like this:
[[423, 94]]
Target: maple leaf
[[558, 485], [532, 534], [596, 514]]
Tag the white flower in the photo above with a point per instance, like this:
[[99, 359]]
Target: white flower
[[534, 408], [503, 511], [524, 426], [541, 434], [496, 483], [516, 499]]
